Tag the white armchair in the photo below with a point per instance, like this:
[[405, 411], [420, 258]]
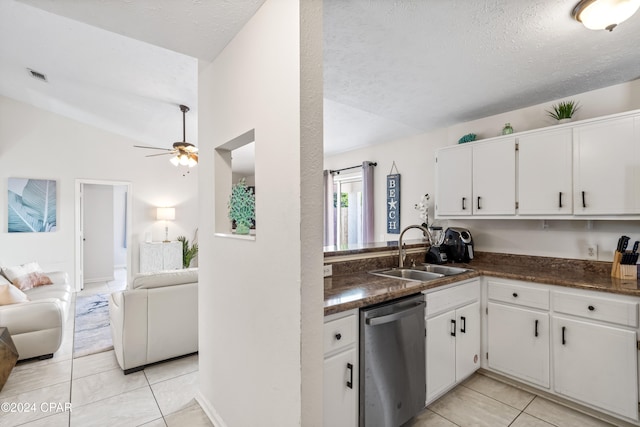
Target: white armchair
[[36, 326], [155, 319]]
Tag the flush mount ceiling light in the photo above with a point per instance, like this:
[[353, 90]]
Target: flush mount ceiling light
[[184, 153], [604, 14]]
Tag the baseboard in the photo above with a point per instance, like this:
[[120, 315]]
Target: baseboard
[[208, 409]]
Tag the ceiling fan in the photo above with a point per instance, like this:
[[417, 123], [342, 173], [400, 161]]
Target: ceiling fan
[[184, 153]]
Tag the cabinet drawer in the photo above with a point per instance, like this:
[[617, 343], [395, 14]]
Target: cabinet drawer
[[596, 308], [519, 295], [340, 333], [441, 301]]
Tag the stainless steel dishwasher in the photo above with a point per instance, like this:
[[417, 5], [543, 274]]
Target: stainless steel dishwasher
[[392, 362]]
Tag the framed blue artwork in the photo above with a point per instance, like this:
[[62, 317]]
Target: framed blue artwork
[[31, 205]]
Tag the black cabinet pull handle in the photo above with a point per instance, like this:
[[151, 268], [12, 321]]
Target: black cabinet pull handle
[[464, 203], [479, 207], [453, 327], [584, 203], [591, 308], [463, 328], [536, 329], [338, 336], [564, 341], [515, 295], [560, 199], [350, 382]]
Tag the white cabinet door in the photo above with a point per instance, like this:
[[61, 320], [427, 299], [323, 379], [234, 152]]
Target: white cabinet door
[[607, 167], [545, 180], [518, 343], [172, 255], [596, 364], [453, 191], [453, 348], [441, 354], [494, 178], [340, 399], [467, 340]]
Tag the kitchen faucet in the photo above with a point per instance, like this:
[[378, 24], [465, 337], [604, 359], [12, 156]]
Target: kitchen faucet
[[402, 253]]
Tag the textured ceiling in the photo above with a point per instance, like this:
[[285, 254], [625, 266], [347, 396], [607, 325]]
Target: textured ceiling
[[392, 68], [429, 64]]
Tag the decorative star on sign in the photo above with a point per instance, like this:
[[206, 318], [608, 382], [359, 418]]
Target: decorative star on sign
[[392, 205]]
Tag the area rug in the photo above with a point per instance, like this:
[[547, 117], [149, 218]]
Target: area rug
[[92, 333]]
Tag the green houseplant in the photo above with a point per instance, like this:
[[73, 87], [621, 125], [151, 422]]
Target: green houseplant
[[188, 252], [242, 207], [563, 110]]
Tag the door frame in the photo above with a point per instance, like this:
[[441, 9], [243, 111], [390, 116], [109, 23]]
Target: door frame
[[78, 225]]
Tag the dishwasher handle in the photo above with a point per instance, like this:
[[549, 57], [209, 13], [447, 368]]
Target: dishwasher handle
[[381, 320]]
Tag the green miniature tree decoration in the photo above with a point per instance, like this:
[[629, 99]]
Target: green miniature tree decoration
[[188, 253], [242, 207]]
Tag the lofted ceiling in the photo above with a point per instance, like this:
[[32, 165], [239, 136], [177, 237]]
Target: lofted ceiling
[[392, 68]]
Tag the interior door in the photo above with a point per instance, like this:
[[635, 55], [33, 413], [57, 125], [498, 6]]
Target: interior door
[[81, 238]]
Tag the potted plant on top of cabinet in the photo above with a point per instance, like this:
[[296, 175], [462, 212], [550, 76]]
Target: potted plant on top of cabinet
[[563, 111]]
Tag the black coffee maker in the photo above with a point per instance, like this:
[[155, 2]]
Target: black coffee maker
[[436, 253], [458, 244]]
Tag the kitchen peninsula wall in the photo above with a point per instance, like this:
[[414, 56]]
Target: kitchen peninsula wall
[[414, 157]]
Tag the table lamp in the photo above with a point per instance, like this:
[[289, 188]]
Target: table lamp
[[166, 214]]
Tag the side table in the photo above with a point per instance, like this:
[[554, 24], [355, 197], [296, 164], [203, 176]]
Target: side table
[[8, 355]]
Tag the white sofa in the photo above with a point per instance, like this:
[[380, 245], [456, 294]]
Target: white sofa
[[36, 326], [155, 319]]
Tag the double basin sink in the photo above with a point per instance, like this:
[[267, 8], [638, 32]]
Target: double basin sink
[[420, 273]]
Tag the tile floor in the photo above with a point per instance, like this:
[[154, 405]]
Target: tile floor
[[482, 401], [163, 394], [97, 390]]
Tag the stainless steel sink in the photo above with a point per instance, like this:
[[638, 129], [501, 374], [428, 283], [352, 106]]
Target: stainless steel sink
[[408, 274], [441, 269], [420, 273]]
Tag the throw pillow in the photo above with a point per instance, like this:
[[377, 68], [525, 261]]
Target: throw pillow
[[9, 294], [26, 276]]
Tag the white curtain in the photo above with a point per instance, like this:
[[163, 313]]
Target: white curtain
[[329, 211], [367, 202]]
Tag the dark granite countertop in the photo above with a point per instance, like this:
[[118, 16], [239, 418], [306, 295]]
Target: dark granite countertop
[[360, 289]]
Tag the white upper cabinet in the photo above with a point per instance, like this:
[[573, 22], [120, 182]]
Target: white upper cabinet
[[494, 177], [545, 173], [453, 195], [607, 167], [583, 170]]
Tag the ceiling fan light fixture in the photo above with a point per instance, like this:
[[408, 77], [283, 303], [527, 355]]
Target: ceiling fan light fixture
[[184, 159], [604, 14], [192, 162], [175, 161]]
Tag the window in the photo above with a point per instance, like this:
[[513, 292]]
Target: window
[[348, 208]]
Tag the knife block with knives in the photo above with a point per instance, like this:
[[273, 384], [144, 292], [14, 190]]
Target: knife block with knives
[[625, 262]]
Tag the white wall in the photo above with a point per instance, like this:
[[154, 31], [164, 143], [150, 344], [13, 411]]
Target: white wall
[[260, 301], [38, 144], [414, 158], [98, 233]]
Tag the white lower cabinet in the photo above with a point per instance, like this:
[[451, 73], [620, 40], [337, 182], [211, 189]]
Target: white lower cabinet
[[340, 373], [596, 364], [519, 343], [453, 337], [518, 331], [581, 345]]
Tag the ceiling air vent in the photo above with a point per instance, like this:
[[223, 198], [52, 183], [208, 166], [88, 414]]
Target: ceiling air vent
[[37, 75]]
